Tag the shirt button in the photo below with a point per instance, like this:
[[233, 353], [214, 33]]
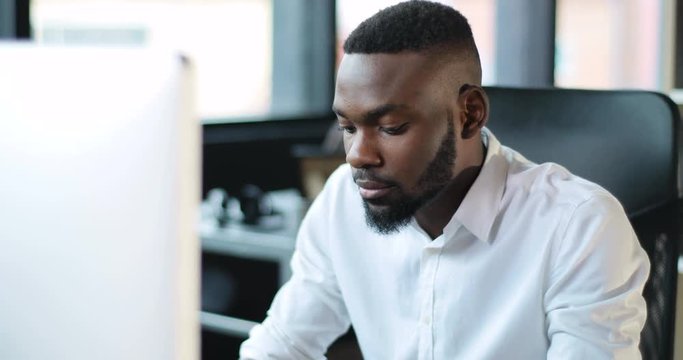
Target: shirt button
[[425, 320]]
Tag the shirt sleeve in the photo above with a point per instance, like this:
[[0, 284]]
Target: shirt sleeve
[[594, 304], [308, 312]]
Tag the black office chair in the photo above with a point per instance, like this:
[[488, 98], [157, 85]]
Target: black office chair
[[626, 141]]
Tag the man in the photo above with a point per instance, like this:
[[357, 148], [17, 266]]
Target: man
[[437, 242]]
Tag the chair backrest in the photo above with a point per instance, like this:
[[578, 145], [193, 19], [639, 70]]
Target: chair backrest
[[626, 141]]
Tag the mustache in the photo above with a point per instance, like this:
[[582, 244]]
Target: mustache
[[368, 175]]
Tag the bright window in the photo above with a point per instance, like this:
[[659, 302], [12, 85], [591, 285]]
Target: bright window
[[609, 44], [230, 41]]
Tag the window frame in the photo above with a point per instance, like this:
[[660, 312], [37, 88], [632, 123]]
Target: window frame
[[315, 21], [14, 19]]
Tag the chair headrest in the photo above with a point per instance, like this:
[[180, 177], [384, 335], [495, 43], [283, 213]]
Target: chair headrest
[[626, 141]]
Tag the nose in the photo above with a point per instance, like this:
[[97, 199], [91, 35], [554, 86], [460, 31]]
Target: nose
[[362, 151]]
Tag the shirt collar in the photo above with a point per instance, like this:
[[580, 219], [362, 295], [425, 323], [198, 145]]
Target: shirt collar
[[481, 204]]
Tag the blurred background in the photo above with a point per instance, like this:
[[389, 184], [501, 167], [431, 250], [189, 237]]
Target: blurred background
[[266, 68], [256, 58], [265, 82]]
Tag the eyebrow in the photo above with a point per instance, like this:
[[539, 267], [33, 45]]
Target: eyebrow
[[376, 113]]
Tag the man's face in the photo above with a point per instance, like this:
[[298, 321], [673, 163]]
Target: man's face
[[399, 135]]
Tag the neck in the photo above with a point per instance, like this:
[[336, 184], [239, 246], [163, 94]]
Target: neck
[[435, 215]]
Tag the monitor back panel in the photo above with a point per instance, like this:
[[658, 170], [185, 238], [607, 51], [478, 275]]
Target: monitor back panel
[[99, 184]]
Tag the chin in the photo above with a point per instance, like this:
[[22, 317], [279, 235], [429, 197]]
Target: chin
[[377, 204]]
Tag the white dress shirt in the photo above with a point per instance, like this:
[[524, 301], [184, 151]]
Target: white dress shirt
[[536, 263]]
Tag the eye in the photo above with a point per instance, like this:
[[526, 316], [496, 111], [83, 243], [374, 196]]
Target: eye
[[349, 129], [396, 130]]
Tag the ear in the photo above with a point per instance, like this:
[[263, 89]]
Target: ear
[[474, 105]]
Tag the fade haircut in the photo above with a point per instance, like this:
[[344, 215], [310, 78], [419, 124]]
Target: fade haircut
[[415, 26]]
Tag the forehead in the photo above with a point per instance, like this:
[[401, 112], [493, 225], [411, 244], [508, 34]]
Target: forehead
[[385, 70], [387, 78]]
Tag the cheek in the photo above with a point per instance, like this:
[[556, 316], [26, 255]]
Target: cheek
[[409, 158], [346, 143]]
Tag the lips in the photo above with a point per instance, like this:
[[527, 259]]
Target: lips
[[373, 189]]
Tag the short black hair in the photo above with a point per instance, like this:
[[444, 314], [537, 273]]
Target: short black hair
[[413, 26]]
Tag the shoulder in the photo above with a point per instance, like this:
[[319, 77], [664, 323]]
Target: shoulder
[[339, 186], [561, 211], [555, 186], [335, 216], [337, 196], [585, 216], [341, 177]]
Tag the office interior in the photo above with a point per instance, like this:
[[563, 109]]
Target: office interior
[[265, 82]]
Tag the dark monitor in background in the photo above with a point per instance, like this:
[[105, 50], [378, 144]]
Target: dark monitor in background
[[99, 192]]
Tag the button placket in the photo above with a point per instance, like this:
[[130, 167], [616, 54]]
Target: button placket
[[428, 264]]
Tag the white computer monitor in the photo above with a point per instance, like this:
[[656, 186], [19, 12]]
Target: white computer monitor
[[99, 189]]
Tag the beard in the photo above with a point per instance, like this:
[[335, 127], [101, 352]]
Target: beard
[[397, 211]]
